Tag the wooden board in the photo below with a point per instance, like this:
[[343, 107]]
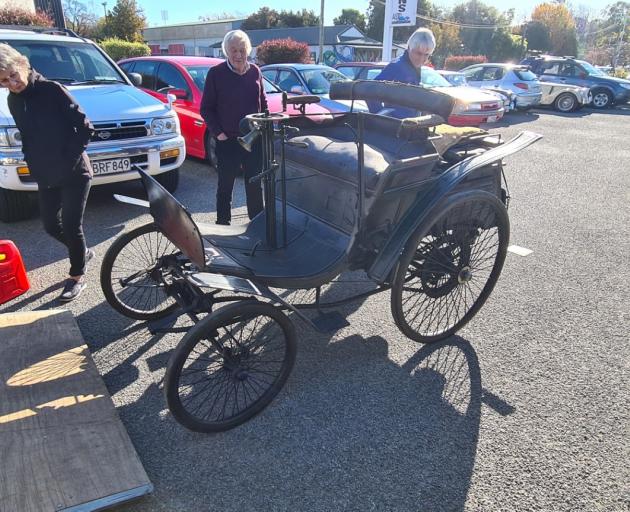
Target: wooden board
[[62, 444]]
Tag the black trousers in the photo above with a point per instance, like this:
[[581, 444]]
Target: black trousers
[[61, 209], [232, 158]]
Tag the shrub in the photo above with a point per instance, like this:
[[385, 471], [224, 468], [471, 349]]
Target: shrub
[[120, 49], [621, 73], [458, 62], [277, 51], [18, 16]]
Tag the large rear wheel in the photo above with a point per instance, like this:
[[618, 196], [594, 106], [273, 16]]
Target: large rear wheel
[[132, 277], [230, 366], [450, 266]]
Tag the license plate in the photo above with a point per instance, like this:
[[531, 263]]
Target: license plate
[[491, 119], [111, 166]]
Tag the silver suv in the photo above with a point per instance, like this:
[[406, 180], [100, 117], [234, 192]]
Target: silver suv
[[131, 127]]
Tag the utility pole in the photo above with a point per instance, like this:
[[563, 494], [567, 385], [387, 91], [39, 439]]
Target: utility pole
[[104, 4], [320, 58]]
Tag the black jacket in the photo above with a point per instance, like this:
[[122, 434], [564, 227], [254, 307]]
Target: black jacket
[[54, 129]]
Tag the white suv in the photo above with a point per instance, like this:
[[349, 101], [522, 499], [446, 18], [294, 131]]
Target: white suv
[[131, 127]]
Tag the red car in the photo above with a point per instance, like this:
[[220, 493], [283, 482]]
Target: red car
[[184, 77], [470, 109]]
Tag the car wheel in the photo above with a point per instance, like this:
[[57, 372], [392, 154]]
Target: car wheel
[[601, 98], [211, 145], [565, 102], [169, 180], [16, 206]]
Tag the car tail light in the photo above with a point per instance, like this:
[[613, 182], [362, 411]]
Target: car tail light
[[521, 85]]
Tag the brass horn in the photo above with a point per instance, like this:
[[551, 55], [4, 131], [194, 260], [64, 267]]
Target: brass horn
[[247, 141]]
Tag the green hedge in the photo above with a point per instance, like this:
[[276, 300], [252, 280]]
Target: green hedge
[[120, 49]]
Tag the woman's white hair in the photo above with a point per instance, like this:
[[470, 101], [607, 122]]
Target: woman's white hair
[[236, 35], [422, 38], [11, 59]]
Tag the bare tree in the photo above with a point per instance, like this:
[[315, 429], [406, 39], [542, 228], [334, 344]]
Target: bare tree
[[79, 19]]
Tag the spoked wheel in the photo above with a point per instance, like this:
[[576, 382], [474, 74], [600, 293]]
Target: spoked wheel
[[131, 277], [450, 266], [229, 366]]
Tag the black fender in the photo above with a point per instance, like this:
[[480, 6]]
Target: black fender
[[432, 196]]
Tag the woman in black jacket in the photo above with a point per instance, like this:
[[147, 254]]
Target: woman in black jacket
[[55, 133]]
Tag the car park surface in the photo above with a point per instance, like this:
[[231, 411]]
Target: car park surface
[[130, 126], [526, 409]]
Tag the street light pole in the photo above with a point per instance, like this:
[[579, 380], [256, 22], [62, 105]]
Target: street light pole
[[104, 4], [320, 58]]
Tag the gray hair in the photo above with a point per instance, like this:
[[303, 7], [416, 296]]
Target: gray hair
[[10, 58], [422, 38], [236, 35]]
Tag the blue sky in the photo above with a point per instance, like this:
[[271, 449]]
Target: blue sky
[[187, 10]]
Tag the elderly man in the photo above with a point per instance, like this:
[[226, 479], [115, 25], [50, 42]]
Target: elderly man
[[234, 89], [406, 69]]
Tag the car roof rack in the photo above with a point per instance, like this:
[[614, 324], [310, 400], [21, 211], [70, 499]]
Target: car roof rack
[[54, 31]]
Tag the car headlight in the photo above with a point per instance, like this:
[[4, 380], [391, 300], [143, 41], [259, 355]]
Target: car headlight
[[10, 137], [625, 86], [164, 125]]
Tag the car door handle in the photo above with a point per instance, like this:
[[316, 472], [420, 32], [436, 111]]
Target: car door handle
[[198, 123]]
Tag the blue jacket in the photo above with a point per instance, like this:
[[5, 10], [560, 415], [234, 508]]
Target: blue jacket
[[399, 70]]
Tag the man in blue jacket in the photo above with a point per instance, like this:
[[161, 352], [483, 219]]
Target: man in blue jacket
[[406, 69]]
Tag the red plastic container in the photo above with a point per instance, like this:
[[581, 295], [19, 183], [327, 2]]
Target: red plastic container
[[13, 280]]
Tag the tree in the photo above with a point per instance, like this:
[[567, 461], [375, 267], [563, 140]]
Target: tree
[[303, 18], [276, 51], [557, 18], [262, 18], [375, 20], [537, 35], [447, 42], [79, 19], [351, 17], [125, 21]]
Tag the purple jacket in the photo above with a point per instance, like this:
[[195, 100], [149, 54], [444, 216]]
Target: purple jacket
[[228, 97]]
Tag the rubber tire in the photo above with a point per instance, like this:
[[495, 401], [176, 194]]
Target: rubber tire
[[16, 205], [563, 100], [106, 274], [199, 331], [602, 93], [410, 249], [169, 180]]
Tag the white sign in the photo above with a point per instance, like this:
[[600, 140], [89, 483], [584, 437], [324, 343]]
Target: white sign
[[403, 12]]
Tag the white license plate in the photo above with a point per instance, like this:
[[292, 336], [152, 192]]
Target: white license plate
[[111, 166], [491, 119]]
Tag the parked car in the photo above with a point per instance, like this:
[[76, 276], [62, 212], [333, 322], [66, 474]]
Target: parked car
[[185, 78], [564, 97], [518, 79], [458, 78], [606, 90], [131, 127], [310, 79], [472, 107]]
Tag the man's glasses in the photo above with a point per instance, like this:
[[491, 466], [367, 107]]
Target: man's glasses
[[12, 78]]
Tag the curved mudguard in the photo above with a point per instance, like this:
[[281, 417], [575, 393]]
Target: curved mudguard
[[429, 199]]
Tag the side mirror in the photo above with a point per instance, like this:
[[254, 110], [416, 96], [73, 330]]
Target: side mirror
[[297, 89], [135, 79], [180, 94]]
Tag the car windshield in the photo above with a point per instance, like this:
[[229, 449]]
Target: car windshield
[[431, 78], [318, 80], [590, 69], [68, 62], [199, 73], [457, 79]]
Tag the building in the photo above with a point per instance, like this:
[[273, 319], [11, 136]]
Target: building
[[341, 42]]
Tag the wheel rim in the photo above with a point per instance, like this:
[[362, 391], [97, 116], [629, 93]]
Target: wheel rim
[[452, 269], [600, 99], [236, 367], [136, 277], [566, 103]]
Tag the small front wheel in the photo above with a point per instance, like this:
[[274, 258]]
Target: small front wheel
[[450, 266], [230, 366], [131, 277]]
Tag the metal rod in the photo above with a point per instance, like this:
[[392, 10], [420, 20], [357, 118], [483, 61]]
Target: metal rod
[[283, 177], [360, 171]]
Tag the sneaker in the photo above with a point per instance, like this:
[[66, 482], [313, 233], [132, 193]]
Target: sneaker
[[71, 290]]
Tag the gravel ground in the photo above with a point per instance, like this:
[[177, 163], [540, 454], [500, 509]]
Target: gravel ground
[[526, 409]]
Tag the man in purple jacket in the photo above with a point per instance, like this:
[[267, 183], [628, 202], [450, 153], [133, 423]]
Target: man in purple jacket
[[234, 89]]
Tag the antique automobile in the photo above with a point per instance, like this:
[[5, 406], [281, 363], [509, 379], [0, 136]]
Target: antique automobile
[[419, 208]]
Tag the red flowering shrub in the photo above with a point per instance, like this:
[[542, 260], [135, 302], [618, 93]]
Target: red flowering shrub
[[18, 16], [277, 51]]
